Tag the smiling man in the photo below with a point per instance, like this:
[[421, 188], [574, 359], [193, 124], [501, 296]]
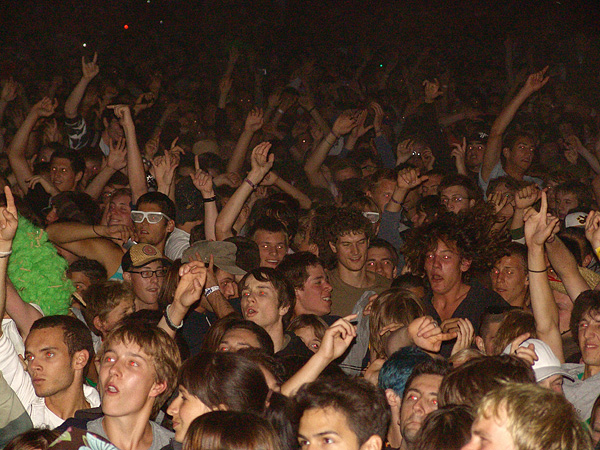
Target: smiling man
[[272, 239], [349, 233], [341, 413], [306, 273], [145, 268]]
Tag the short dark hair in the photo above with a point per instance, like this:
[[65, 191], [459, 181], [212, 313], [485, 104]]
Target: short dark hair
[[76, 335], [345, 221], [225, 378], [165, 204], [455, 179], [580, 190], [428, 367], [101, 298], [382, 243], [285, 291], [77, 162], [468, 383], [309, 320], [449, 428], [270, 224], [364, 405], [586, 302], [91, 268], [295, 267]]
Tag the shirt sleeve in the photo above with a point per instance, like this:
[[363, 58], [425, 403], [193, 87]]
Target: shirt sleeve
[[14, 374]]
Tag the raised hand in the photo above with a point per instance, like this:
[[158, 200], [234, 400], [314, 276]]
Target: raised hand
[[254, 121], [337, 338], [232, 179], [344, 123], [592, 228], [123, 113], [527, 196], [540, 226], [428, 158], [8, 221], [117, 156], [571, 155], [432, 90], [275, 98], [527, 354], [409, 179], [191, 283], [261, 161], [360, 130], [163, 168], [9, 91], [574, 143], [91, 69], [465, 335], [307, 102], [45, 107], [427, 334], [536, 81], [151, 147], [404, 151], [120, 233], [202, 180], [42, 181], [498, 200], [379, 115]]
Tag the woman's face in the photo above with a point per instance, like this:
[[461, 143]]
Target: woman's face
[[184, 409]]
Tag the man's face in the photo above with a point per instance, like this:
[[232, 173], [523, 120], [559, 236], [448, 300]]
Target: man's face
[[127, 380], [565, 201], [119, 211], [80, 280], [430, 186], [184, 409], [62, 176], [420, 398], [445, 267], [315, 295], [474, 155], [260, 303], [237, 339], [554, 383], [490, 433], [227, 284], [509, 279], [351, 250], [326, 429], [272, 247], [146, 290], [379, 260], [589, 338], [382, 192], [521, 154], [456, 199], [153, 233], [48, 361]]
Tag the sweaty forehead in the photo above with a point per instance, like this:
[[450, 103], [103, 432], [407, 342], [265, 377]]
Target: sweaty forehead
[[45, 337]]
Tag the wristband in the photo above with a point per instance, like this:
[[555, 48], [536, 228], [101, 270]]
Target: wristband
[[210, 199], [210, 290], [170, 324], [537, 271], [5, 254], [393, 200], [252, 185], [280, 111], [95, 232]]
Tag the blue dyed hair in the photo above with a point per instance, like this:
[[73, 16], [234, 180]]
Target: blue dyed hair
[[395, 371]]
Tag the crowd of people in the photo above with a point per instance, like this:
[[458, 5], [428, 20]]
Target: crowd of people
[[331, 250]]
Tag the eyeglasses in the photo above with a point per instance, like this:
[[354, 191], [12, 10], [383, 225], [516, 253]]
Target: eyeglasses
[[151, 217], [372, 216], [160, 273], [455, 200]]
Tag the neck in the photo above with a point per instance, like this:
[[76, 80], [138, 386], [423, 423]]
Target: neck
[[355, 278], [277, 335], [394, 436], [446, 303], [590, 371], [516, 172], [131, 432], [142, 305], [66, 402]]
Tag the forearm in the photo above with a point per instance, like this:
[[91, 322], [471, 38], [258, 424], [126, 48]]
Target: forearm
[[65, 232], [230, 212], [239, 153], [315, 160], [309, 372], [563, 262], [135, 165], [74, 98], [591, 159], [450, 119], [219, 304], [20, 311], [517, 220], [94, 188], [303, 199], [395, 203], [318, 118]]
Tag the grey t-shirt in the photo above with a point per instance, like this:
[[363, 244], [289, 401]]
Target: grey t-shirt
[[160, 436], [581, 393]]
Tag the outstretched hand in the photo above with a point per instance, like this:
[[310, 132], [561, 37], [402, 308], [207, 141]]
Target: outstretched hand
[[261, 160], [540, 226], [91, 69]]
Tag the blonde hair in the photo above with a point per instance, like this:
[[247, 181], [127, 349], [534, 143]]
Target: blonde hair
[[392, 306], [536, 418], [158, 345]]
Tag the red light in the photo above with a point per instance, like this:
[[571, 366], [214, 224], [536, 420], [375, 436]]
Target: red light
[[126, 27]]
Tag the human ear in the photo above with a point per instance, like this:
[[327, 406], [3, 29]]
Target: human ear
[[99, 324], [80, 359], [170, 226], [479, 344], [393, 399], [157, 388], [465, 264], [373, 443], [332, 247]]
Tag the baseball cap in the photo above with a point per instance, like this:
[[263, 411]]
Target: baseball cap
[[223, 255], [141, 254], [547, 364]]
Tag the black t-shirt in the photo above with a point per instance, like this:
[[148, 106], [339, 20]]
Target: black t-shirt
[[478, 299]]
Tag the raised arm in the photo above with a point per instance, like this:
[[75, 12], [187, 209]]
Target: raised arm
[[8, 228], [203, 181], [261, 164], [539, 227], [18, 146], [115, 161], [135, 164], [272, 179], [494, 145], [9, 93], [254, 122], [90, 70], [564, 264]]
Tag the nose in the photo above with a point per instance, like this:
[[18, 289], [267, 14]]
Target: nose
[[174, 406], [327, 287], [273, 251]]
